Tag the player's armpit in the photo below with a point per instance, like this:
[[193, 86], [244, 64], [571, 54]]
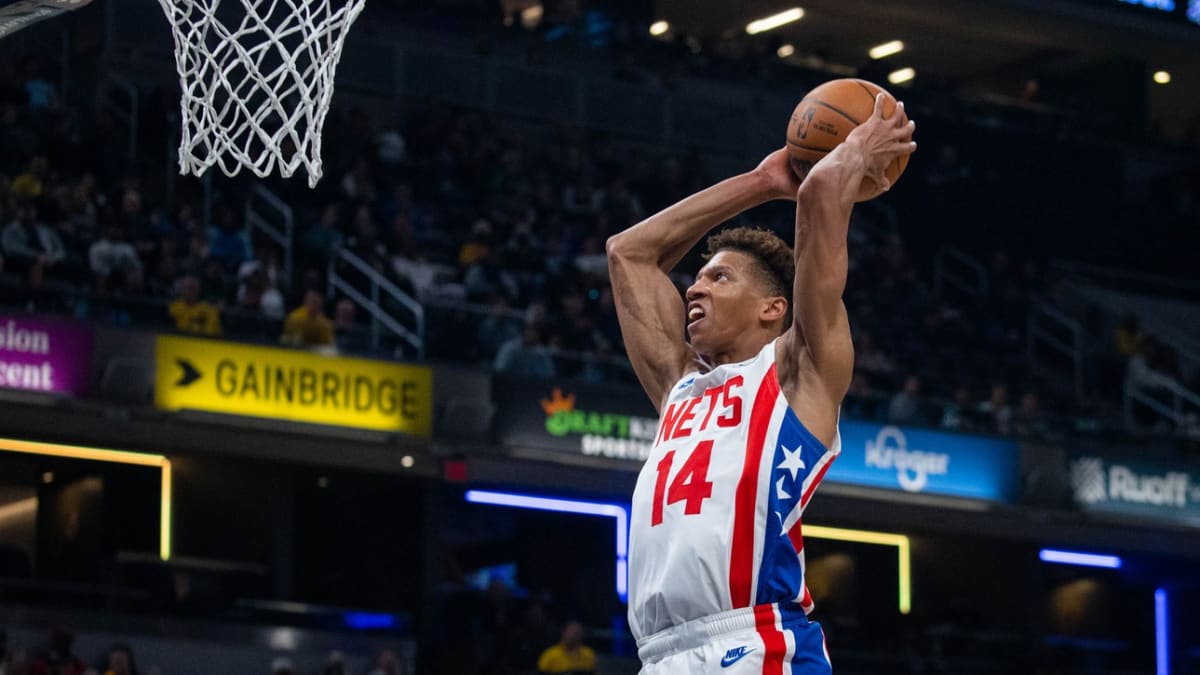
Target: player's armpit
[[650, 310]]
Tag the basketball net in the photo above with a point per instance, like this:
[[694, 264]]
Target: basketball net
[[256, 84]]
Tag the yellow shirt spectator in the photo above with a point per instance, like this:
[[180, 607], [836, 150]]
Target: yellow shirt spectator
[[570, 655], [307, 325], [558, 660], [200, 317], [190, 313]]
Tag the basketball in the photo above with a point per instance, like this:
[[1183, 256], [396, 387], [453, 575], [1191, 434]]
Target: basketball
[[827, 115]]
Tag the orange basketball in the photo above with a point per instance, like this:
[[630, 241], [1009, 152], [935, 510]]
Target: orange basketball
[[827, 115]]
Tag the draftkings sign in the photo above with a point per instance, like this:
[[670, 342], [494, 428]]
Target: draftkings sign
[[609, 421], [235, 379]]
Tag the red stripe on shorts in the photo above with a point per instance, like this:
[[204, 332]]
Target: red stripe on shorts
[[741, 562], [774, 644]]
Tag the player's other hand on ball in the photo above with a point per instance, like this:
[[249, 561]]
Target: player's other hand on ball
[[780, 179], [880, 140]]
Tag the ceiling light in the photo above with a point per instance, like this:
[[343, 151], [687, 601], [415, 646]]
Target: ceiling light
[[901, 76], [886, 49], [785, 51], [774, 21], [659, 28], [1162, 77]]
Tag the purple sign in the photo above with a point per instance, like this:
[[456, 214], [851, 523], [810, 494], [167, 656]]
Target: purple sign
[[45, 355]]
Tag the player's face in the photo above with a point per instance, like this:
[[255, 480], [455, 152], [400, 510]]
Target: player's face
[[723, 303]]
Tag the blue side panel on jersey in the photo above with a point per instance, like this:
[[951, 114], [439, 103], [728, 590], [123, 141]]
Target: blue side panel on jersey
[[809, 658], [795, 451]]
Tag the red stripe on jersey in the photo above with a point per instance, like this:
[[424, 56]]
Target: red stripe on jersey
[[796, 537], [741, 562], [816, 480], [774, 644], [806, 603]]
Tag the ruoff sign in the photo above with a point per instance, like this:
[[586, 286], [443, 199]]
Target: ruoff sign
[[1120, 486]]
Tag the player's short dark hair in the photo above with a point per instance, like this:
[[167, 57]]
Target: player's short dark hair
[[774, 263]]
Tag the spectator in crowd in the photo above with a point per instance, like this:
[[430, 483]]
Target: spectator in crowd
[[905, 405], [335, 664], [282, 665], [570, 655], [227, 242], [525, 355], [477, 246], [351, 337], [32, 183], [307, 325], [1028, 421], [256, 294], [135, 224], [323, 237], [114, 262], [58, 658], [958, 414], [996, 412], [120, 660], [1128, 336], [386, 663], [41, 92], [190, 313], [859, 401], [365, 242], [32, 248], [869, 358], [16, 662]]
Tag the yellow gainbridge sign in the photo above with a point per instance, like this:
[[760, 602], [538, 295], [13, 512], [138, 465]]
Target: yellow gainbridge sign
[[236, 379]]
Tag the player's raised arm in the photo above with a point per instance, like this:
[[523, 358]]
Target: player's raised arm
[[649, 307], [852, 172]]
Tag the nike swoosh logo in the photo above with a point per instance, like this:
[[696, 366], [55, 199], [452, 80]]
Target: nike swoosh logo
[[727, 661]]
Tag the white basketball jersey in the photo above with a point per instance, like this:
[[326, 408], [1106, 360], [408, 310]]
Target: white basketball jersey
[[716, 512]]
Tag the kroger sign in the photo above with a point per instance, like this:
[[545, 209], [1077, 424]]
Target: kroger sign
[[926, 462]]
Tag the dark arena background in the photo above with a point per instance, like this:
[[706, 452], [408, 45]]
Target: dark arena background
[[386, 425]]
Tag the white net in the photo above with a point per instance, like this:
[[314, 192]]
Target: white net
[[257, 79]]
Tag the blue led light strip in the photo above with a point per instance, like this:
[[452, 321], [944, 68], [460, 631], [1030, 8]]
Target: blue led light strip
[[618, 512], [1076, 558], [1162, 632]]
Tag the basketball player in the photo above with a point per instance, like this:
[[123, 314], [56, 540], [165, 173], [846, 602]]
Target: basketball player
[[748, 407]]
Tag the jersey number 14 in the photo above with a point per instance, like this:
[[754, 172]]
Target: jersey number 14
[[691, 484]]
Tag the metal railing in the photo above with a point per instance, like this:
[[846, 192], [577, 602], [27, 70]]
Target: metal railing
[[1124, 280], [954, 268], [1166, 398], [1166, 309], [119, 96], [1051, 328], [261, 205], [517, 319], [379, 289]]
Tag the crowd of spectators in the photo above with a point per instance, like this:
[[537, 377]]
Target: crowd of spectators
[[496, 227], [58, 656]]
